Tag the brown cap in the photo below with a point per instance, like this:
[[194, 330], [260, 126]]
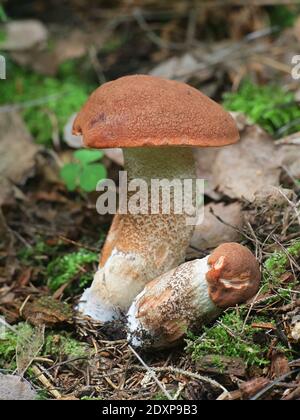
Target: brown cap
[[137, 111], [234, 276]]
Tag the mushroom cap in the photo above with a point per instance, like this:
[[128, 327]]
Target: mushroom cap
[[141, 110], [234, 275]]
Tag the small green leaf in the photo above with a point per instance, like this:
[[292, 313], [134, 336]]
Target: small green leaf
[[70, 175], [91, 175], [88, 156]]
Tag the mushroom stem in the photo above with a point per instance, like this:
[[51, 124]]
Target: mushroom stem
[[140, 247]]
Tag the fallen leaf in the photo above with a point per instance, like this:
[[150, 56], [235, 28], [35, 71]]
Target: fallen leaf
[[29, 344], [47, 311], [15, 388], [242, 169], [222, 365], [17, 153], [288, 157]]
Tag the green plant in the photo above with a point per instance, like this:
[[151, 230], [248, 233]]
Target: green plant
[[62, 270], [84, 173], [229, 337], [269, 106]]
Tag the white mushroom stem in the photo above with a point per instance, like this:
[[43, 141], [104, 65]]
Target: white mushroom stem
[[161, 314], [140, 247]]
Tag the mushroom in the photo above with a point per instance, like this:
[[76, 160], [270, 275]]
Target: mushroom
[[156, 122], [191, 295]]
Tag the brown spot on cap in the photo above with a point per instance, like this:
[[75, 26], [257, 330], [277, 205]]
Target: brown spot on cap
[[137, 111], [234, 276]]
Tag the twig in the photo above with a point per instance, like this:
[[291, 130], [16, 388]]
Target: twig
[[151, 373], [178, 371]]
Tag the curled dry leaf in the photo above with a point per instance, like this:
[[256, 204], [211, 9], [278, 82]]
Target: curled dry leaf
[[180, 68], [68, 46], [76, 142], [29, 345]]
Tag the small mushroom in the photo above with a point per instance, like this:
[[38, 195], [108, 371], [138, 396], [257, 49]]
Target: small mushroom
[[156, 122], [191, 295]]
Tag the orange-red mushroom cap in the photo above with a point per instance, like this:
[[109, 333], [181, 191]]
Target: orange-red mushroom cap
[[137, 111]]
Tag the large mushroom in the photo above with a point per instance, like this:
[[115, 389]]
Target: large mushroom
[[192, 295], [156, 122]]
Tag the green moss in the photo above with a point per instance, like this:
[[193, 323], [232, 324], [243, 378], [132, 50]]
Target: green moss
[[269, 106], [61, 97], [64, 346], [63, 269], [91, 399], [283, 16], [39, 252], [227, 338], [278, 263]]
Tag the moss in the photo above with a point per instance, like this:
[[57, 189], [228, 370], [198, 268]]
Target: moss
[[64, 346], [58, 270], [61, 97], [278, 263], [8, 344], [227, 338], [269, 106]]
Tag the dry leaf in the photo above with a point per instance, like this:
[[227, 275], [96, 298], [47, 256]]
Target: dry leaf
[[244, 168], [47, 311], [29, 345]]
